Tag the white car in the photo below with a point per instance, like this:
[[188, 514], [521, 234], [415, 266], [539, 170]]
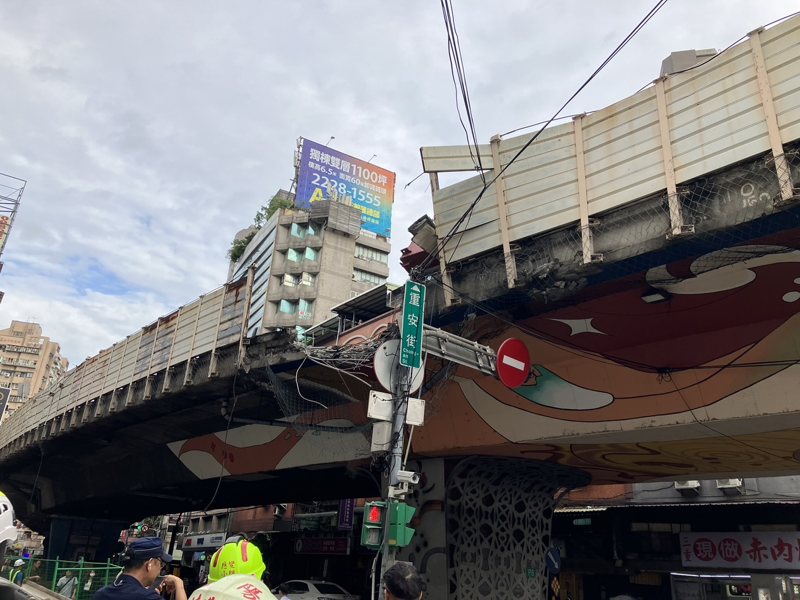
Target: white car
[[309, 589]]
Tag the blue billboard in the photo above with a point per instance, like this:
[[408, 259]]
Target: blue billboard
[[327, 174]]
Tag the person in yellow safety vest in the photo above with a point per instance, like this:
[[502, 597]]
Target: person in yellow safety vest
[[17, 574], [235, 574]]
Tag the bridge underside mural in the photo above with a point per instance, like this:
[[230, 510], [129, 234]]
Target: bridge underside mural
[[699, 380]]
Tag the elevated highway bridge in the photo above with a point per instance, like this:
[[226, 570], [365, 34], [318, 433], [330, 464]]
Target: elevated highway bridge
[[648, 255]]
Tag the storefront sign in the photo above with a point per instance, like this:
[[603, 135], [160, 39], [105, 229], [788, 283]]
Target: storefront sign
[[202, 542], [756, 550], [347, 509], [338, 545]]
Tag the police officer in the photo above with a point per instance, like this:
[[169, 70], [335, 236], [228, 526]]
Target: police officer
[[143, 561]]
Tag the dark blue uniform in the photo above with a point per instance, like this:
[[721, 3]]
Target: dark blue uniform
[[126, 588]]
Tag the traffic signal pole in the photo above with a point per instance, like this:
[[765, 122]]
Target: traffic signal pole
[[400, 395]]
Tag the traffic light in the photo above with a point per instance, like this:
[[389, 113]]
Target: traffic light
[[400, 515], [372, 528]]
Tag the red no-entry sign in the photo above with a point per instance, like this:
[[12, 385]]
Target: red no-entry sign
[[513, 363]]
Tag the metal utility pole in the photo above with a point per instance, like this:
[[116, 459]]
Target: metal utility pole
[[511, 364], [400, 395], [410, 358]]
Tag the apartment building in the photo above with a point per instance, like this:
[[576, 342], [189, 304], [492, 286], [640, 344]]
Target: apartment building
[[29, 362], [306, 262]]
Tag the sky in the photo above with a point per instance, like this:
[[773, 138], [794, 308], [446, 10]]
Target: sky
[[150, 132]]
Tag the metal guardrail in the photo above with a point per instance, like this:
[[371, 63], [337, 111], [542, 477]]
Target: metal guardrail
[[76, 580], [201, 327]]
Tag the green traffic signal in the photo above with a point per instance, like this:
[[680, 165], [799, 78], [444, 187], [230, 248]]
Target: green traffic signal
[[400, 515]]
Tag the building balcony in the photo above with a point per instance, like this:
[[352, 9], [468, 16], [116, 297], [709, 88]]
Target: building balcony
[[297, 243], [284, 292], [311, 266], [371, 266], [295, 268], [287, 292], [293, 216], [287, 320]]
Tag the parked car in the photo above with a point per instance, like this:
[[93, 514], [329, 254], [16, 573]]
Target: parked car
[[310, 589]]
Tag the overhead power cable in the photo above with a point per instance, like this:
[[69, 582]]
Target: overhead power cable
[[468, 212], [457, 72]]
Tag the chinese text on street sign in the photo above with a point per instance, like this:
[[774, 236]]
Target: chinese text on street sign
[[327, 174], [411, 327]]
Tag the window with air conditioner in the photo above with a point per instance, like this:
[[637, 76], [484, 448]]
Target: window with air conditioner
[[290, 280], [305, 308], [308, 279]]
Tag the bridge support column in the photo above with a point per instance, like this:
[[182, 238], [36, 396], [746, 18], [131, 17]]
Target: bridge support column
[[71, 538], [499, 516], [483, 526]]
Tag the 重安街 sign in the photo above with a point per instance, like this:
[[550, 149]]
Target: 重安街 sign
[[412, 325]]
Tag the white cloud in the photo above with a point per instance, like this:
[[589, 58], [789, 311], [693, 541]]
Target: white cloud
[[150, 132]]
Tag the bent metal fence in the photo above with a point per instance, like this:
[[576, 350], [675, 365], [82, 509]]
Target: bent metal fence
[[162, 353]]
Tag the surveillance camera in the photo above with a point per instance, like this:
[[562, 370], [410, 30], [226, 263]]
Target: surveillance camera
[[408, 477]]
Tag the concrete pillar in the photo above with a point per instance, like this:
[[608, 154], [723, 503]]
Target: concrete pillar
[[483, 526], [499, 516], [71, 538]]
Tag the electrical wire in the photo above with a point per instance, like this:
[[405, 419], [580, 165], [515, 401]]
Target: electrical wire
[[457, 72], [454, 228], [725, 435], [723, 51], [413, 180], [225, 439], [577, 350], [297, 385], [588, 112]]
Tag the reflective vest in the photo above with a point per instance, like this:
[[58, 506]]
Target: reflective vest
[[12, 577]]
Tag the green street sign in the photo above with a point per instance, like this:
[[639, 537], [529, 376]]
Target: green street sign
[[411, 327]]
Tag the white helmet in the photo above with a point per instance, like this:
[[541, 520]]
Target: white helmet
[[8, 530]]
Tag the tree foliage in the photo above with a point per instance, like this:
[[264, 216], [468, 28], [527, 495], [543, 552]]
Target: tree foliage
[[238, 246], [262, 216]]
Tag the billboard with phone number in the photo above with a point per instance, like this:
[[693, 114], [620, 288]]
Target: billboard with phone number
[[327, 174]]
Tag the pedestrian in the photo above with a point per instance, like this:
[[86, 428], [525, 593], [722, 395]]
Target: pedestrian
[[284, 590], [402, 582], [17, 574], [143, 561], [6, 570], [36, 571], [66, 584]]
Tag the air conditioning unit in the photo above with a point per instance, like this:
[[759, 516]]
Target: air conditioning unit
[[688, 487], [731, 487]]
